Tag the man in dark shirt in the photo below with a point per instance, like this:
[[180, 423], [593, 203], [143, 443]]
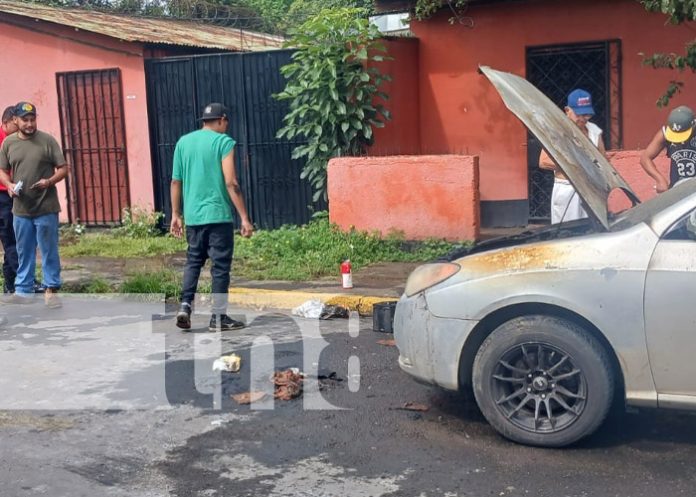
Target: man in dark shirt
[[34, 158], [679, 139], [7, 236]]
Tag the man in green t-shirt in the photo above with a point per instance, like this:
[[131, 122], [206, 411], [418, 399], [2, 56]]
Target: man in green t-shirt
[[34, 158], [204, 178]]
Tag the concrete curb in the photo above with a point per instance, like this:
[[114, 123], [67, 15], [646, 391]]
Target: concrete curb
[[289, 299]]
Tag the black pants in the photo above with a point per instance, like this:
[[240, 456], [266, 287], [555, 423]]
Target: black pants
[[214, 242], [9, 243]]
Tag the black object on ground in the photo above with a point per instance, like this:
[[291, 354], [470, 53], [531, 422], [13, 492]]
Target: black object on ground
[[383, 317]]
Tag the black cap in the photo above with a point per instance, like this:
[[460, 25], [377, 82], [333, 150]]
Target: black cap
[[24, 109], [214, 110]]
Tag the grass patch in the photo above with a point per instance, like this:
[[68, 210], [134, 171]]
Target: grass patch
[[315, 250], [293, 253], [109, 245], [164, 281]]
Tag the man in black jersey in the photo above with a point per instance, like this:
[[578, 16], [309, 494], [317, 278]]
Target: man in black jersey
[[679, 139]]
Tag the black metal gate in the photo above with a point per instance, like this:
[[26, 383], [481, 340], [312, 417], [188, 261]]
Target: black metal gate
[[556, 71], [178, 88]]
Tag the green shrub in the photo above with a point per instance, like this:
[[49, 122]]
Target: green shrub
[[318, 248], [139, 223]]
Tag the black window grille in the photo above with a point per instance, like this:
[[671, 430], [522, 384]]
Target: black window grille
[[557, 70]]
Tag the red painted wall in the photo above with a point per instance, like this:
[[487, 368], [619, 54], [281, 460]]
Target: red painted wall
[[30, 60], [420, 196], [643, 185], [460, 112], [401, 135]]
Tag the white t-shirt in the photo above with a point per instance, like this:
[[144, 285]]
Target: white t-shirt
[[594, 132]]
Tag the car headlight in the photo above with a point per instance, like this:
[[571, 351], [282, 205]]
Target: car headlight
[[429, 275]]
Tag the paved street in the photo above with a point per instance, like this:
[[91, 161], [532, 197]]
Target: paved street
[[106, 398]]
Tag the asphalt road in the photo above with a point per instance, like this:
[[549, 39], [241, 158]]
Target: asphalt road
[[106, 398]]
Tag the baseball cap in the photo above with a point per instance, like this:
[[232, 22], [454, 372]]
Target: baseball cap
[[680, 124], [580, 101], [24, 109], [214, 110]]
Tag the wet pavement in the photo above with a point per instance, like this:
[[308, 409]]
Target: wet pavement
[[106, 398]]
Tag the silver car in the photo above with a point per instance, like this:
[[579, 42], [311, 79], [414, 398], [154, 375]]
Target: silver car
[[550, 327]]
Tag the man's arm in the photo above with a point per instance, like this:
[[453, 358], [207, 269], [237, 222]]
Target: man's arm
[[61, 172], [647, 157], [176, 227], [545, 161], [601, 147], [7, 182], [5, 171], [235, 193]]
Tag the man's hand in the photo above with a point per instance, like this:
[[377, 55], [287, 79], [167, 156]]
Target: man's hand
[[247, 228], [11, 189], [661, 185], [42, 184], [176, 227]]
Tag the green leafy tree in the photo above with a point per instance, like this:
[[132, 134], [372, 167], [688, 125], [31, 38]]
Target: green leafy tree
[[678, 12], [332, 87]]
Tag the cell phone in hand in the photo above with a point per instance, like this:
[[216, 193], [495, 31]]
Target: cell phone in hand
[[18, 187]]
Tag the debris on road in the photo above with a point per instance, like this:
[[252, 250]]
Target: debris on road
[[388, 343], [334, 311], [288, 384], [311, 309], [315, 309], [248, 397], [231, 363], [329, 375], [414, 406]]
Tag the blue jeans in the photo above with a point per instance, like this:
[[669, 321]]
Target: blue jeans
[[30, 232]]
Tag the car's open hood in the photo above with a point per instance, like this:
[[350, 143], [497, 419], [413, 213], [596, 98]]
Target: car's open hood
[[587, 169]]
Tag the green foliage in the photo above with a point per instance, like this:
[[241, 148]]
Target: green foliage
[[289, 253], [71, 233], [166, 281], [678, 12], [139, 223], [332, 87], [108, 245], [96, 284], [317, 249], [426, 8]]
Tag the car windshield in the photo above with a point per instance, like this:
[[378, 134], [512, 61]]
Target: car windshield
[[643, 212]]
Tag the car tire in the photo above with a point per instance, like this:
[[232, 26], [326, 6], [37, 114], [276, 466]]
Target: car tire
[[543, 381]]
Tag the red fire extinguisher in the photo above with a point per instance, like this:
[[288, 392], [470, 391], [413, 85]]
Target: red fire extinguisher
[[346, 275]]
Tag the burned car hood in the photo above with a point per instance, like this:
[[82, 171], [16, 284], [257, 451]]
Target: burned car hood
[[590, 173], [577, 227]]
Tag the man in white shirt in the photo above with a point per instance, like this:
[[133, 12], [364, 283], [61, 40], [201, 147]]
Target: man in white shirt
[[565, 202]]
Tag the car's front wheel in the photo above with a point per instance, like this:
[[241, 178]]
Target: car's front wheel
[[542, 380]]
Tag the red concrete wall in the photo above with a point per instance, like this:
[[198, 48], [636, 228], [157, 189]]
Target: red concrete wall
[[461, 113], [401, 135], [421, 196], [627, 163], [30, 60]]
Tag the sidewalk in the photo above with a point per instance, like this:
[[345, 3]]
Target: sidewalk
[[372, 284]]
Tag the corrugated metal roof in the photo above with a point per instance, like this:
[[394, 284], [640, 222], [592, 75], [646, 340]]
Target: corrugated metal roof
[[147, 30]]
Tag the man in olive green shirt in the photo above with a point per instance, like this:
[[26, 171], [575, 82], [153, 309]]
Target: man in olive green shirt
[[34, 158], [204, 172]]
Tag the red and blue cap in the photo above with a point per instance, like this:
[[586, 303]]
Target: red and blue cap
[[580, 102]]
